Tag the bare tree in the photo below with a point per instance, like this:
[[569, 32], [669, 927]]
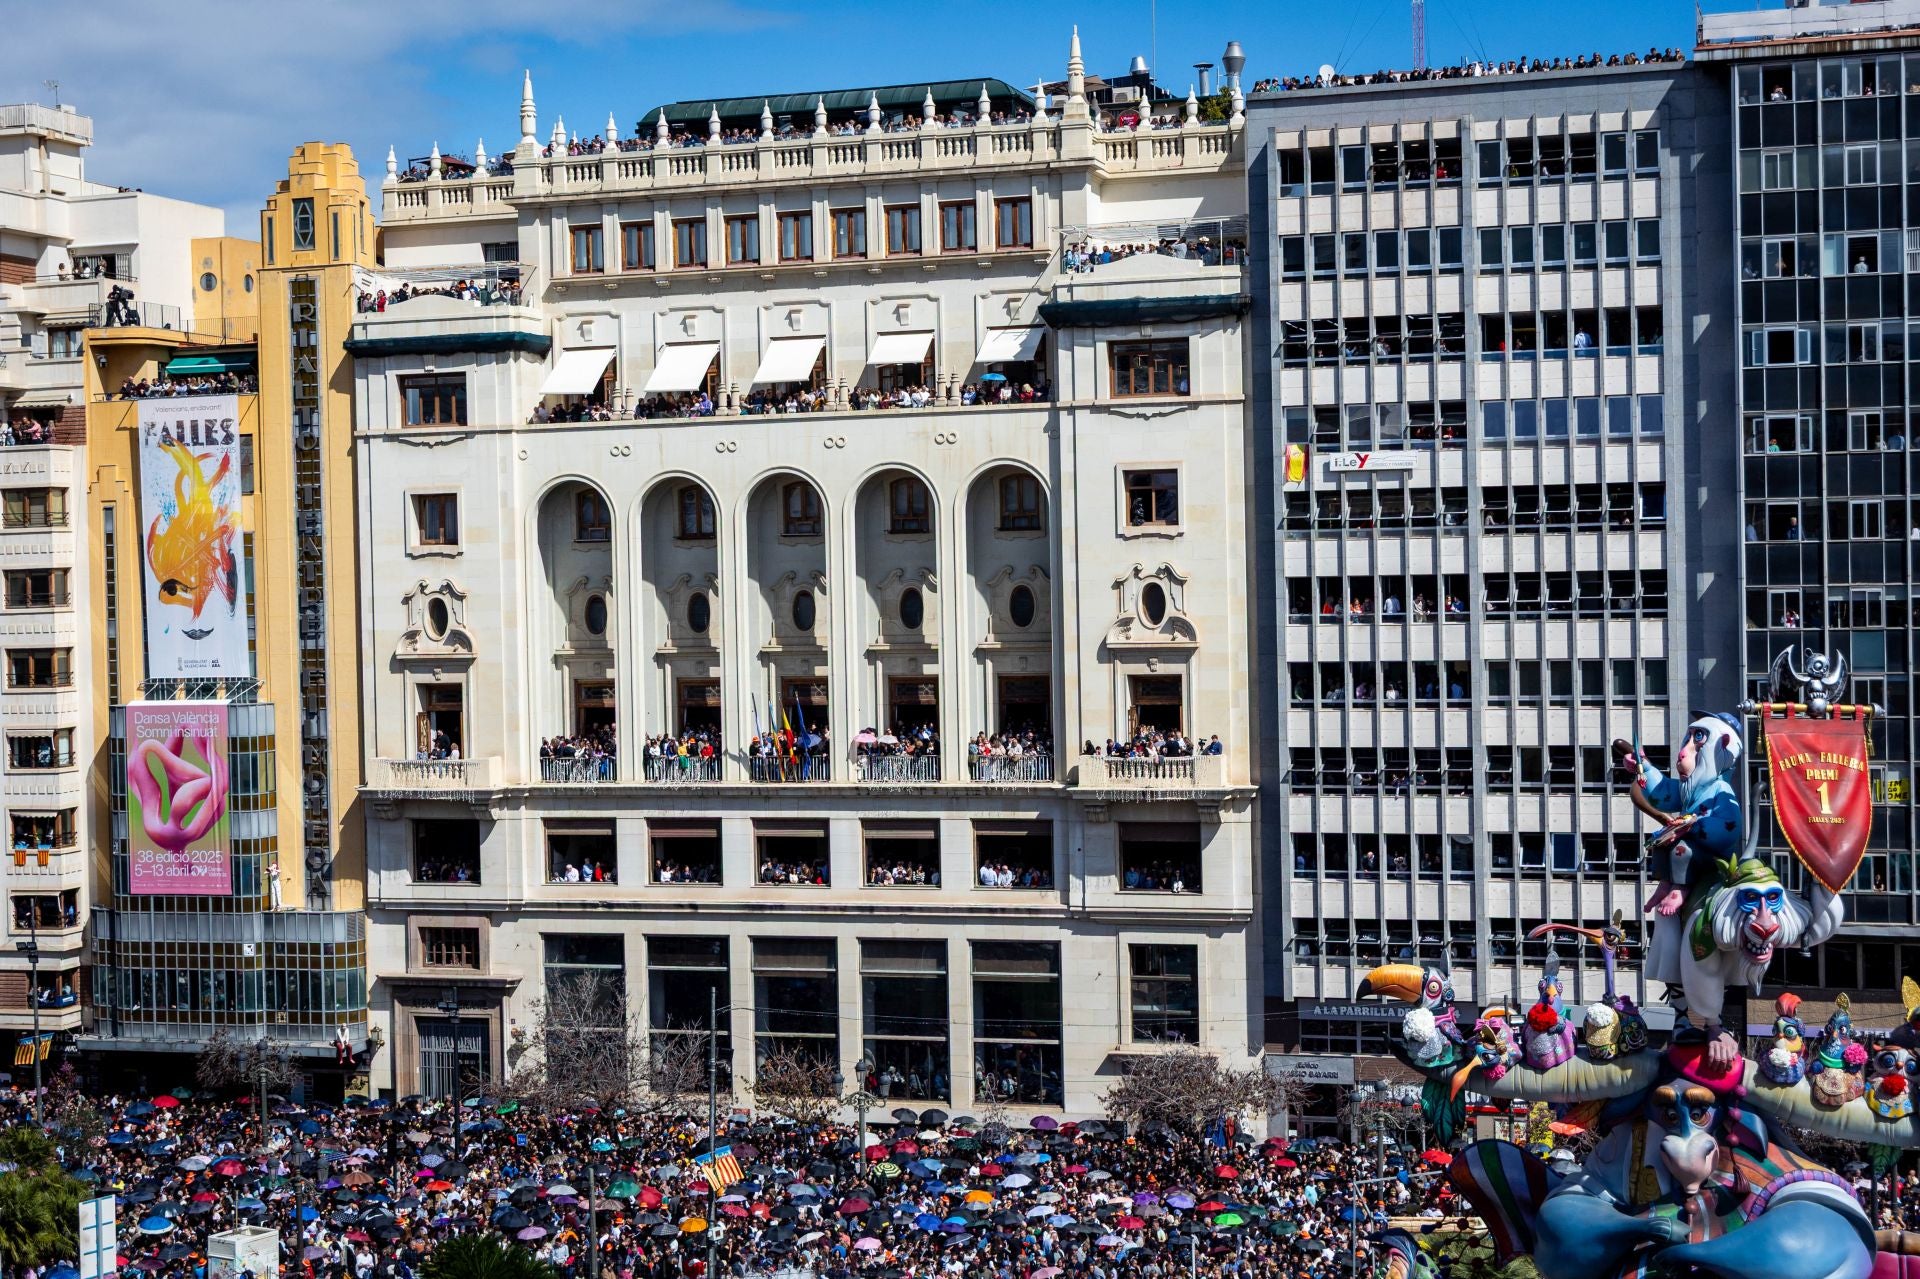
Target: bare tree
[[583, 1046], [1188, 1088], [795, 1084], [234, 1060], [674, 1074]]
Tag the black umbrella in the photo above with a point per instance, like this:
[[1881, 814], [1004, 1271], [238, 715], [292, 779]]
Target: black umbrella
[[787, 1212], [665, 1231], [932, 1118], [906, 1115]]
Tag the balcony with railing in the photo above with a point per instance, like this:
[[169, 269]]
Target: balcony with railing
[[896, 770], [1164, 773], [433, 778], [1003, 770]]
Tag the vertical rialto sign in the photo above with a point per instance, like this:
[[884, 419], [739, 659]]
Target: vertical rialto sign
[[310, 564], [196, 616]]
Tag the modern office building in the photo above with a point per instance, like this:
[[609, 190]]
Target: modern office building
[[585, 519], [75, 255], [1492, 520], [1823, 111], [232, 510]]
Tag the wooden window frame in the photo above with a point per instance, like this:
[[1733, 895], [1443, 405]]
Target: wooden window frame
[[444, 392], [593, 239], [1126, 361], [422, 503], [902, 492], [1024, 225], [636, 246], [700, 527], [689, 233], [747, 225], [967, 219], [905, 218], [1149, 481], [796, 233], [850, 232], [1017, 517]]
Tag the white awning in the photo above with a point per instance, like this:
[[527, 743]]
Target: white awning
[[43, 400], [577, 372], [1009, 346], [788, 360], [682, 367], [899, 348]]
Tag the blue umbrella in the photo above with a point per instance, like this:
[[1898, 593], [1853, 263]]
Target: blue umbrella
[[165, 1146], [62, 1271], [601, 1145], [120, 1139], [309, 1214], [957, 1221], [1059, 1219], [311, 1127], [140, 1108], [927, 1221], [85, 1174], [955, 1227], [250, 1204], [155, 1226]]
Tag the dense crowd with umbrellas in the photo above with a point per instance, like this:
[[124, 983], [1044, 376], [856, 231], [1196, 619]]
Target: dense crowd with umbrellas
[[365, 1191]]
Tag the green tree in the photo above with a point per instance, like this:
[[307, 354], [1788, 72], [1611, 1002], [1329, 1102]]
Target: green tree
[[484, 1257], [39, 1203]]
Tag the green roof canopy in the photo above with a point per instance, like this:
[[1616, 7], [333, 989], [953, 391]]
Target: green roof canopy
[[191, 364], [896, 97]]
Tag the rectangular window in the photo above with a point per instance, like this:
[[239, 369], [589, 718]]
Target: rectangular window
[[902, 854], [636, 246], [34, 508], [903, 229], [1586, 243], [588, 251], [1553, 246], [792, 854], [1017, 1022], [849, 233], [436, 519], [1147, 368], [696, 513], [1520, 248], [1164, 993], [690, 242], [1386, 250], [796, 237], [592, 521], [29, 751], [796, 1000], [1865, 521], [1616, 243], [1492, 240], [39, 667], [435, 399], [1293, 255], [1353, 251], [684, 852], [1777, 170], [1646, 237], [1020, 505], [38, 588], [1613, 154], [303, 225], [446, 850], [905, 1027], [450, 948], [687, 981], [1160, 857], [1451, 242], [1646, 151], [957, 229], [1013, 223], [743, 239], [1153, 498], [1013, 854]]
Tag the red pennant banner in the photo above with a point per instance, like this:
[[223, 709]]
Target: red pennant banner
[[1822, 792]]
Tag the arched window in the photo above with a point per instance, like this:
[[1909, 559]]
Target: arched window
[[912, 507], [696, 513], [802, 510]]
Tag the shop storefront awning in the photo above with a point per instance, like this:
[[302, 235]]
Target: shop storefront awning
[[682, 367], [899, 348], [42, 400], [188, 365], [1010, 346], [788, 360], [577, 372]]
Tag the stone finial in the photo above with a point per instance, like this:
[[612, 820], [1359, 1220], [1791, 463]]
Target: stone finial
[[713, 121], [613, 130], [660, 127], [558, 141], [393, 166], [1076, 69], [1239, 106], [1039, 99], [479, 155], [927, 108], [983, 105], [433, 161], [873, 113], [529, 119], [1193, 107], [766, 120], [819, 117]]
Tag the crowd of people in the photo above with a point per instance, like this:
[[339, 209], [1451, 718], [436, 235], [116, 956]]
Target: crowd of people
[[160, 388], [900, 873], [502, 292], [1161, 877], [1152, 743], [810, 871], [588, 870], [693, 754], [992, 388], [367, 1190], [1469, 70], [1084, 255], [23, 430], [1000, 874], [589, 756]]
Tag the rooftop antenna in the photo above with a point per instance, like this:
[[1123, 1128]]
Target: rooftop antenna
[[53, 87], [1419, 35]]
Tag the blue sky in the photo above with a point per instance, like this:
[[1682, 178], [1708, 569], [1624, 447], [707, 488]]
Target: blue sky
[[204, 99]]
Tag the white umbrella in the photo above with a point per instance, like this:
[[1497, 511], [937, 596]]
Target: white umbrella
[[561, 1188], [1016, 1181]]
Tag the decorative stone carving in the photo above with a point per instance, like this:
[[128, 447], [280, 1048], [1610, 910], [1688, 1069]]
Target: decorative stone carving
[[1136, 625], [436, 625]]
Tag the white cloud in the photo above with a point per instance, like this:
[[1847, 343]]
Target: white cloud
[[205, 99]]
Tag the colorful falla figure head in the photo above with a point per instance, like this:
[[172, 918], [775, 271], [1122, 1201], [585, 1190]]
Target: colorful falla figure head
[[1689, 1150], [1891, 1069]]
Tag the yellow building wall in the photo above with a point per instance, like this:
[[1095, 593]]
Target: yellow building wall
[[230, 310]]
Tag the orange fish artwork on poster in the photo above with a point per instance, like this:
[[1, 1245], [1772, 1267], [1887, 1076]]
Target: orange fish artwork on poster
[[192, 557]]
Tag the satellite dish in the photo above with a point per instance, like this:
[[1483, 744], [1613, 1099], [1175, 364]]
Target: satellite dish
[[1326, 72]]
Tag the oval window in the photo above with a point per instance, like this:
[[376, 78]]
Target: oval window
[[208, 282], [1153, 603], [1020, 606], [913, 609], [803, 612], [596, 615], [438, 619], [248, 284], [699, 613]]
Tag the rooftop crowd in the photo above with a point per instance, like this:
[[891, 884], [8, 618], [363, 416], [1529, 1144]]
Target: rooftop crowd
[[1029, 1198], [164, 388], [1522, 65]]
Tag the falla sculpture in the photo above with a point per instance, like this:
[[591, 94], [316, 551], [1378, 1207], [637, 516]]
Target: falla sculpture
[[1696, 1168]]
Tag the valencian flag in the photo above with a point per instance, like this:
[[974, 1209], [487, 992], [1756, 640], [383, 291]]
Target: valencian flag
[[24, 1053], [1822, 792], [722, 1169]]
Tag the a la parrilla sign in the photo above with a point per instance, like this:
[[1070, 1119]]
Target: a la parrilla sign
[[1353, 463]]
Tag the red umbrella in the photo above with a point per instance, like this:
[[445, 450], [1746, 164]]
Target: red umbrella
[[165, 1102], [906, 1147], [205, 1197], [1130, 1223], [733, 1210], [229, 1168], [1439, 1158], [1076, 1169], [761, 1212], [1212, 1205], [1284, 1162], [1277, 1143], [650, 1197], [876, 1151], [854, 1207], [992, 1170], [439, 1184], [1227, 1171]]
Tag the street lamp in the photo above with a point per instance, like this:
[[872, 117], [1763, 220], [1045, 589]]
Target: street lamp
[[31, 949], [450, 1009], [861, 1099]]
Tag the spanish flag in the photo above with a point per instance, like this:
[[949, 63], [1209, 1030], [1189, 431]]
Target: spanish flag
[[722, 1169]]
